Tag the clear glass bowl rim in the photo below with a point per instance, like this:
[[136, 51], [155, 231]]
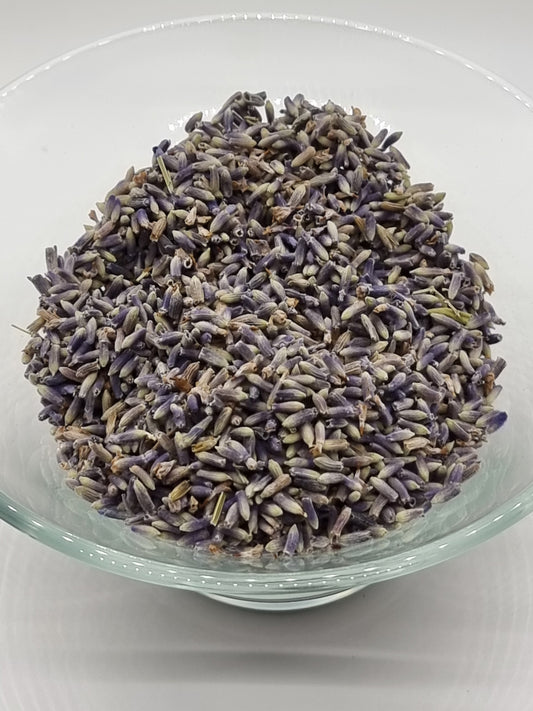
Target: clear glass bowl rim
[[143, 567]]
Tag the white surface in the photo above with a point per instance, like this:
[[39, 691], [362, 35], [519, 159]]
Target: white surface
[[459, 636]]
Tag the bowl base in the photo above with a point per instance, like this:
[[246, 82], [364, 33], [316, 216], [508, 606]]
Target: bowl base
[[285, 604]]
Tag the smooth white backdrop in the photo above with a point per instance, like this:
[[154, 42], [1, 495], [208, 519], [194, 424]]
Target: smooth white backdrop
[[458, 636]]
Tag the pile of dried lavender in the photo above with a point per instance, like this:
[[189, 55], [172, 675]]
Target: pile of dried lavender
[[268, 341]]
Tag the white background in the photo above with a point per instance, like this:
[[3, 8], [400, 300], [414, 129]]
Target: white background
[[458, 636]]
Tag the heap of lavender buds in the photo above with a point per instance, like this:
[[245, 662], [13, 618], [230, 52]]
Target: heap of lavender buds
[[267, 342]]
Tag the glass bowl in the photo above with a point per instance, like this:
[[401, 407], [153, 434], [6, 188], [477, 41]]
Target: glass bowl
[[71, 128]]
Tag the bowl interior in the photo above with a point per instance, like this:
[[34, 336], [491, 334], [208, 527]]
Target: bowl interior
[[70, 130]]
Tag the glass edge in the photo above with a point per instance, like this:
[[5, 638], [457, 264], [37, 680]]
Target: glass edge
[[31, 74], [200, 579]]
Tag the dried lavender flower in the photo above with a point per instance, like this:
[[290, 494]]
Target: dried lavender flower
[[267, 342]]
